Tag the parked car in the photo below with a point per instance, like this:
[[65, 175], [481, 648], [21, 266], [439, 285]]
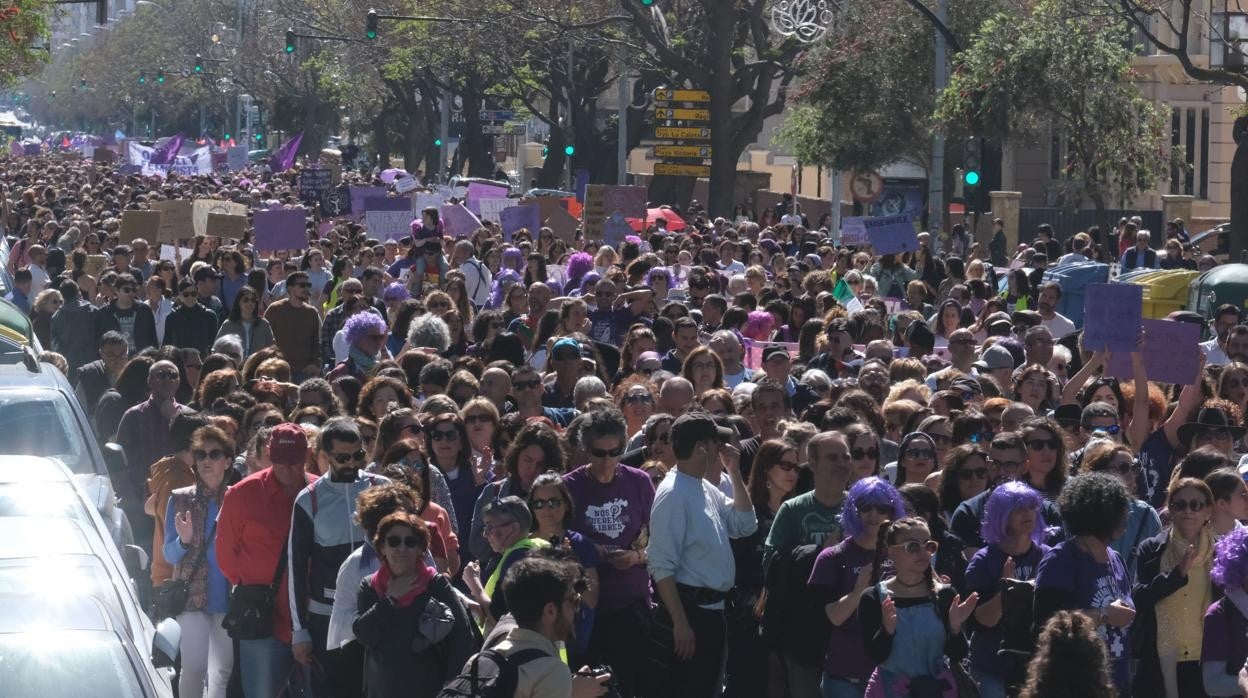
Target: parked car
[[1215, 241]]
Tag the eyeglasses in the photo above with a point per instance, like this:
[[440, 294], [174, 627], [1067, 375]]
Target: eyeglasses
[[787, 466], [1040, 444], [636, 398], [478, 419], [525, 385], [968, 474], [575, 600], [491, 528], [1006, 464], [213, 454], [344, 458], [552, 503], [1124, 468], [443, 434], [882, 509], [270, 421], [606, 453], [915, 547], [403, 541], [1185, 505], [921, 453], [869, 453]]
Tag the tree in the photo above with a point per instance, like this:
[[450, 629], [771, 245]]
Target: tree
[[1056, 65], [23, 32]]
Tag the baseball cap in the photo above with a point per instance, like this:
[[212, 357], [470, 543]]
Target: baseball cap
[[566, 343], [790, 219], [699, 426], [206, 272], [774, 350], [288, 444], [995, 357]]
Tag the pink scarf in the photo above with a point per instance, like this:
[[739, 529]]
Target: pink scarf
[[381, 582]]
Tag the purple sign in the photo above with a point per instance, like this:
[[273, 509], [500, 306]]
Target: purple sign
[[387, 203], [891, 234], [480, 190], [1112, 314], [358, 195], [282, 229], [1169, 353], [527, 217], [458, 220]]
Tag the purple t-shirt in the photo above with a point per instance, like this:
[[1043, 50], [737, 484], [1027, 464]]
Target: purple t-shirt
[[983, 575], [613, 516], [835, 572], [1092, 585], [1225, 638], [610, 326]]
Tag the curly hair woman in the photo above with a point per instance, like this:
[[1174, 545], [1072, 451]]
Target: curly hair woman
[[536, 449], [1069, 652]]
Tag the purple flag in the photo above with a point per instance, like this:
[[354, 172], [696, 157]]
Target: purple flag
[[284, 158], [165, 154]]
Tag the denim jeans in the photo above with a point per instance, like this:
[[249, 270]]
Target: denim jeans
[[418, 269], [833, 687], [265, 666], [989, 686]]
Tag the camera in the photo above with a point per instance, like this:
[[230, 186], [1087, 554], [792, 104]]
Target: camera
[[612, 689]]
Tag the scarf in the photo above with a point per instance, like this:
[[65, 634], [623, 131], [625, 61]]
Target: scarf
[[381, 582], [196, 499], [1181, 614], [363, 361]]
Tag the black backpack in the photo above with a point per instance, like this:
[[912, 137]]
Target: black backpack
[[794, 621], [490, 674]]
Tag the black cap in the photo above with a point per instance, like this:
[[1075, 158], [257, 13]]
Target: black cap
[[699, 426], [204, 273], [774, 350]]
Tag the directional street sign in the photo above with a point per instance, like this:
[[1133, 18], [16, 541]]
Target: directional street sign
[[496, 115], [664, 168], [682, 151], [662, 114], [682, 133], [682, 95]]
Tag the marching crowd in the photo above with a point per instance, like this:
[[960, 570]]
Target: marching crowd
[[732, 459]]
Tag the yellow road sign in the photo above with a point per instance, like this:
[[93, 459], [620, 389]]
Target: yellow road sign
[[663, 114], [665, 168], [682, 151], [682, 95], [681, 133]]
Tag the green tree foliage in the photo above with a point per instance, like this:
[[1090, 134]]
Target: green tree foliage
[[23, 37]]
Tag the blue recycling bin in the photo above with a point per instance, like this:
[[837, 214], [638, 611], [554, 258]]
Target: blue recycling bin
[[1073, 279]]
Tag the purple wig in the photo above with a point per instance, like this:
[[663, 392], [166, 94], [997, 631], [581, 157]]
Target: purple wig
[[588, 282], [579, 264], [395, 292], [1002, 502], [503, 282], [362, 323], [659, 271], [1230, 560], [759, 326], [513, 258], [869, 490]]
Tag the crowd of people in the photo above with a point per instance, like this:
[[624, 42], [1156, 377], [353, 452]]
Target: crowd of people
[[737, 459]]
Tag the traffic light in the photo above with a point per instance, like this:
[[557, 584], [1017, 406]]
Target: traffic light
[[569, 150], [199, 64], [142, 77], [972, 160], [437, 142], [370, 27], [647, 3], [226, 137], [259, 137], [160, 76], [545, 151], [290, 41], [82, 83]]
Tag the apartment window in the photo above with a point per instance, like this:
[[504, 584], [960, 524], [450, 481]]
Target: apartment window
[[1189, 129]]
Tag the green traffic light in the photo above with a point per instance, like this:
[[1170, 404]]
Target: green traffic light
[[226, 137], [259, 136], [142, 78], [647, 3], [437, 142], [971, 178], [569, 150], [545, 151]]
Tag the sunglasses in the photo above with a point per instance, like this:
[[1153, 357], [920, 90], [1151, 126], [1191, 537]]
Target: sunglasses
[[1041, 444], [921, 453], [443, 435], [787, 466], [213, 454], [403, 541], [166, 375], [1125, 468], [344, 458], [915, 547], [882, 509], [1184, 505], [638, 398], [969, 474], [606, 453], [525, 385], [552, 503], [869, 453], [478, 419], [1112, 429], [270, 421]]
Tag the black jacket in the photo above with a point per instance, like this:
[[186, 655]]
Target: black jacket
[[191, 328], [398, 659], [105, 320]]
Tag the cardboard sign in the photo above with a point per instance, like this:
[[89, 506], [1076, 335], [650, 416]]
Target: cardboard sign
[[594, 214], [281, 229], [139, 224], [1112, 316], [480, 190], [891, 234], [202, 207], [458, 220], [525, 217], [563, 224], [1169, 353], [388, 218], [236, 158], [103, 156], [226, 226], [492, 209], [405, 184], [176, 221], [95, 264]]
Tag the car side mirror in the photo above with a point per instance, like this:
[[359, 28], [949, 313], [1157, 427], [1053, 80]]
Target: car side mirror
[[114, 458], [165, 643], [136, 560]]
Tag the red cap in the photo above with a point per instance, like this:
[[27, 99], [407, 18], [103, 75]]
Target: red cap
[[288, 444]]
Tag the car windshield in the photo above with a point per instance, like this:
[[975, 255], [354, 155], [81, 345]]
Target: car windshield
[[66, 664], [42, 424]]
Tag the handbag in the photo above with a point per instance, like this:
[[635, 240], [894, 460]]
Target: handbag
[[250, 613], [170, 599]]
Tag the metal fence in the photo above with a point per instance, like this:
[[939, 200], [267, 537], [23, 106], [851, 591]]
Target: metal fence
[[1067, 222]]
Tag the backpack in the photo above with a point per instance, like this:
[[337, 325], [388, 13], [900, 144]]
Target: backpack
[[794, 622], [490, 674]]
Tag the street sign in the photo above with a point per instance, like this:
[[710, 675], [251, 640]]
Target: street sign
[[682, 151], [662, 114], [665, 168], [682, 95], [496, 114], [679, 133]]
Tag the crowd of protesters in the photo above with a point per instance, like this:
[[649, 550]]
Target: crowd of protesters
[[735, 459]]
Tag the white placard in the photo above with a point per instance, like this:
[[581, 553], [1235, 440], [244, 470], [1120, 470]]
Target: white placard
[[403, 185], [171, 253], [491, 208], [388, 225]]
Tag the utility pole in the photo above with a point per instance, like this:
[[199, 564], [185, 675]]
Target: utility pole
[[445, 131], [621, 150], [936, 178], [571, 130]]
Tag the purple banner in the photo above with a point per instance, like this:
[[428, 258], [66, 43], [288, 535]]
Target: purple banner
[[480, 190], [281, 229], [1169, 353], [165, 154], [284, 158], [458, 220], [528, 217]]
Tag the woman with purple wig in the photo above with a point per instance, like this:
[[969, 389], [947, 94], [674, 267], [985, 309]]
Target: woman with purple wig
[[366, 336], [579, 264], [840, 576], [1013, 530], [1224, 646]]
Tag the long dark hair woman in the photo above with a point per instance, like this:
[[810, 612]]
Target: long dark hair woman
[[129, 390], [536, 449]]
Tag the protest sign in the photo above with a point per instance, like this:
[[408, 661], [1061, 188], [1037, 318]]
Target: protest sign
[[615, 230], [173, 253], [403, 185], [754, 351], [424, 201], [388, 218], [853, 232], [491, 209], [103, 156], [202, 207], [1169, 353], [139, 224], [481, 190], [281, 229], [562, 224], [457, 220], [236, 158], [357, 196], [313, 183], [176, 220], [1112, 315], [594, 213], [227, 226], [526, 217], [95, 264], [891, 234]]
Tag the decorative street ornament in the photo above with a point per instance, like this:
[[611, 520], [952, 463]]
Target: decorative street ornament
[[808, 20]]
